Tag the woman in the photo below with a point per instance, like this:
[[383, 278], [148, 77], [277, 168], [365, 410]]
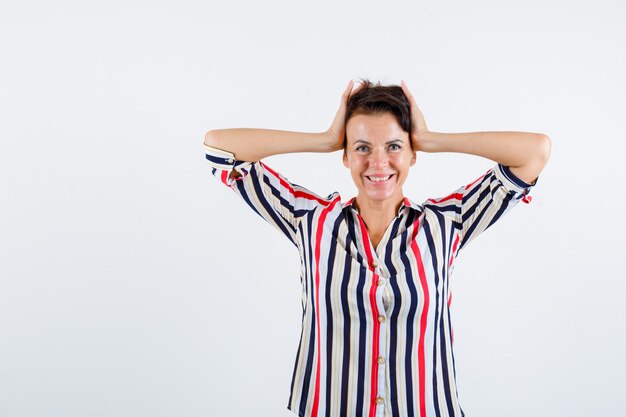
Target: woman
[[376, 328]]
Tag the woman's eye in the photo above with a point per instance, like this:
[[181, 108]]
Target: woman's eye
[[361, 147], [397, 146]]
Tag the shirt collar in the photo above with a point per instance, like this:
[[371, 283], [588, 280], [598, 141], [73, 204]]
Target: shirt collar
[[406, 202]]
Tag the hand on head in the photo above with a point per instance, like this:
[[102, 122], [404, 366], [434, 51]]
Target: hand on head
[[418, 124], [337, 129]]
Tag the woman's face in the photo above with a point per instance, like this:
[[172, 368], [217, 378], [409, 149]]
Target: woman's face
[[378, 148]]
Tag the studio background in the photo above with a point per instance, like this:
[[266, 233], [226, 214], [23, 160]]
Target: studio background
[[132, 283]]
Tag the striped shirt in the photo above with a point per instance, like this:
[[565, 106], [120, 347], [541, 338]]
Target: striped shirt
[[376, 335]]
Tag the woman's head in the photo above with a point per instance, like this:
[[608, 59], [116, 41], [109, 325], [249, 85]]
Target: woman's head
[[376, 98], [378, 149]]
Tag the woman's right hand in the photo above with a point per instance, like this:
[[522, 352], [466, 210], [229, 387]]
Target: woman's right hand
[[337, 130]]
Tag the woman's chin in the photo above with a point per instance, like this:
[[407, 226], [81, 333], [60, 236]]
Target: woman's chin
[[378, 196]]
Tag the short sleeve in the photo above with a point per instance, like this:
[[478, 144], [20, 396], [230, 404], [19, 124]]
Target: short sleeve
[[479, 204], [271, 195]]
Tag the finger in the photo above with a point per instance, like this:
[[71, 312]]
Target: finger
[[359, 88], [346, 93], [412, 103], [407, 92]]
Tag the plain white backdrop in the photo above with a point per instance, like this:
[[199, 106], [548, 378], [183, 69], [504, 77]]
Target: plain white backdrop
[[133, 284]]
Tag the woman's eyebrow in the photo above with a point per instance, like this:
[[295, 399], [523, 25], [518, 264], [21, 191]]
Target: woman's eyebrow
[[369, 143]]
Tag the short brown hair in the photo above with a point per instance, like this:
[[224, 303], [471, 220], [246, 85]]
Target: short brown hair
[[377, 98]]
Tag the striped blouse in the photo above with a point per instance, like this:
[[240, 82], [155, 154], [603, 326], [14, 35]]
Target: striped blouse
[[376, 336]]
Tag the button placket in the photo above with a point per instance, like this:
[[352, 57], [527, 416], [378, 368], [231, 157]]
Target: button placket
[[381, 399]]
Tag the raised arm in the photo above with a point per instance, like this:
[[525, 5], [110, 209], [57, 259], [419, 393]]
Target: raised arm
[[254, 144], [525, 153]]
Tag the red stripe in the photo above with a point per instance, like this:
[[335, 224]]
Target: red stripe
[[478, 179], [454, 251], [318, 238], [457, 196], [376, 331], [451, 329], [454, 248], [420, 347], [298, 193], [224, 176]]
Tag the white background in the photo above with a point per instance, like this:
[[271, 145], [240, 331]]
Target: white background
[[132, 283]]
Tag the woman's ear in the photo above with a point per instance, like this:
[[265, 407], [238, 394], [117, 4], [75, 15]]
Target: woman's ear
[[414, 158], [346, 162]]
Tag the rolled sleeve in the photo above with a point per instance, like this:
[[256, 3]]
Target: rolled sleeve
[[223, 163], [271, 195], [513, 184], [475, 207], [486, 200]]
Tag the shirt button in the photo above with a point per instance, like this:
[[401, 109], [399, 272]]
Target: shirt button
[[374, 263], [381, 359], [380, 281], [381, 318], [230, 161], [380, 400]]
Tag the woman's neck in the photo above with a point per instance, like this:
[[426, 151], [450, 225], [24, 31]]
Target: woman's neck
[[375, 213]]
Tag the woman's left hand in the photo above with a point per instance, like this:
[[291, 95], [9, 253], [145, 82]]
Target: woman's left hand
[[418, 124]]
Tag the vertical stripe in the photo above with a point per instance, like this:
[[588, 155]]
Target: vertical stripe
[[376, 323], [424, 315], [329, 313], [318, 244]]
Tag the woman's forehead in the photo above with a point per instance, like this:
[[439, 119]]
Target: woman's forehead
[[375, 129], [377, 125]]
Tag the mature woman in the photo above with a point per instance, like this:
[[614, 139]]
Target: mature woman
[[376, 328]]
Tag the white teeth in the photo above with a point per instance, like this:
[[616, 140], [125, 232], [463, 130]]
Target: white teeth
[[379, 179]]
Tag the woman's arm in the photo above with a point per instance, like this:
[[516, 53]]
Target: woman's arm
[[526, 154], [255, 144]]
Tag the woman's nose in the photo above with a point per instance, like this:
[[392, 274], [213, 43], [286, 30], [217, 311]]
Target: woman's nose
[[379, 159]]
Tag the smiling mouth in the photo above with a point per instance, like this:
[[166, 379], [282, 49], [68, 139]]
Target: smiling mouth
[[379, 180]]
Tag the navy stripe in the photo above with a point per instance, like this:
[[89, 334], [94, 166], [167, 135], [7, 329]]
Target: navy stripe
[[355, 238], [468, 235], [362, 322], [409, 347], [503, 207], [482, 198], [469, 194], [438, 300], [329, 312], [217, 159], [513, 178], [310, 312], [295, 368], [276, 192], [393, 322], [277, 219], [345, 310]]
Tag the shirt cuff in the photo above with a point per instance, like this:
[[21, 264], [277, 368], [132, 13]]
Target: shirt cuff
[[225, 161], [511, 182], [219, 158]]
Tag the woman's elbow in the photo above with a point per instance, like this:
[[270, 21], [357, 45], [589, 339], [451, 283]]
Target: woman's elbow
[[544, 147], [211, 138]]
